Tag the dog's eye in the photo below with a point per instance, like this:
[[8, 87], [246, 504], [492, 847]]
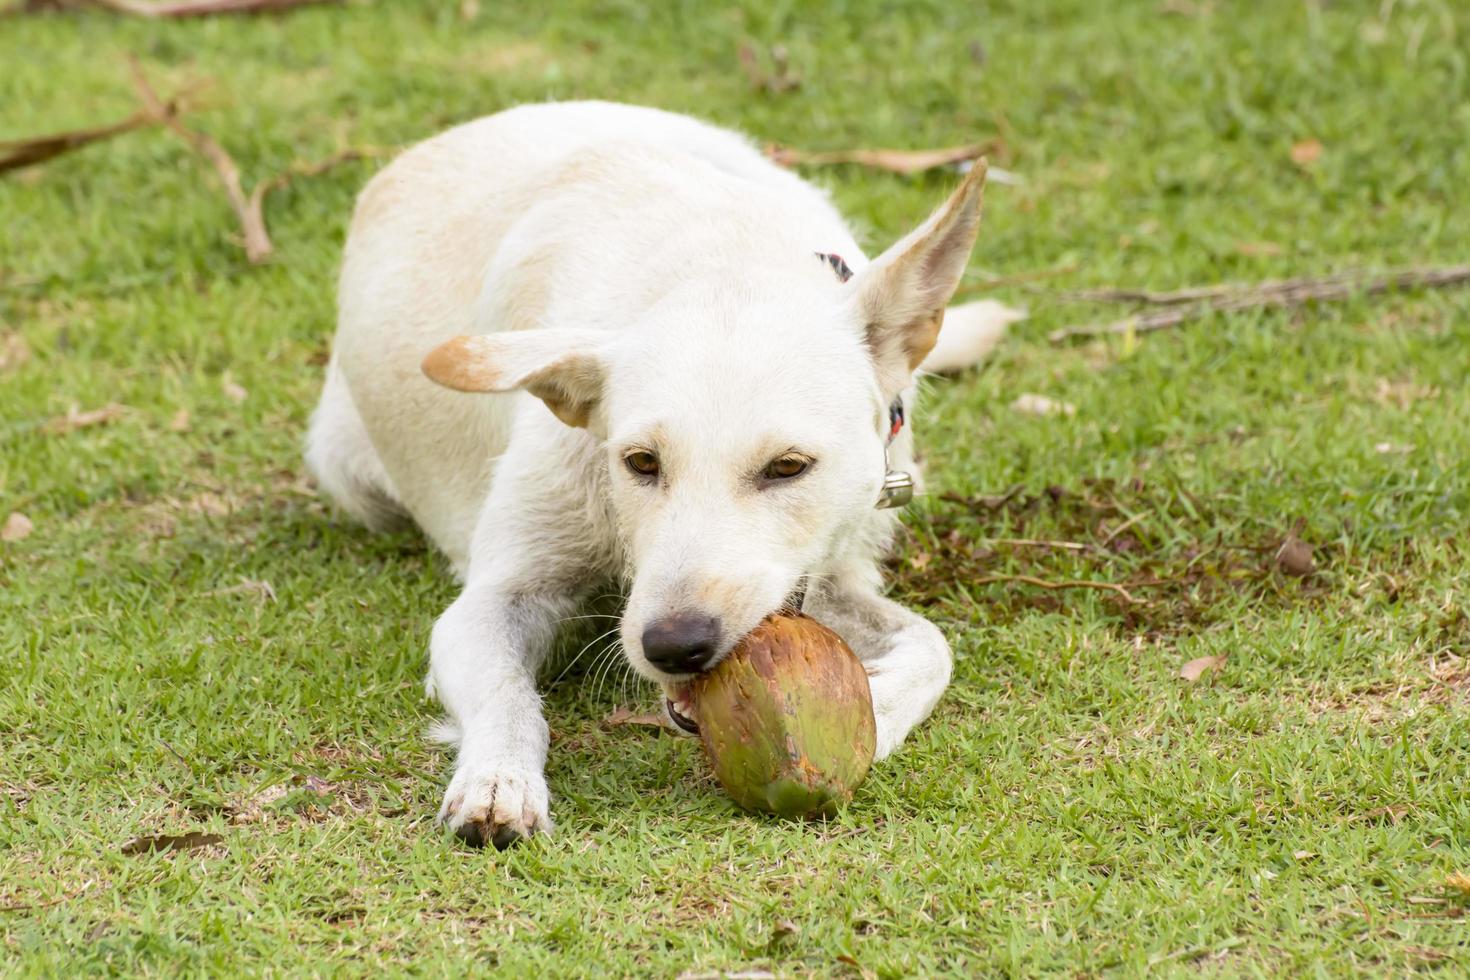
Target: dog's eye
[[642, 463], [785, 467]]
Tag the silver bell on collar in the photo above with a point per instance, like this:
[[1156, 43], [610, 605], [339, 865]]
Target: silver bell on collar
[[898, 490]]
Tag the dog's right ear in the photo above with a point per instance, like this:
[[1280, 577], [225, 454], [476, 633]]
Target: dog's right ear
[[563, 368]]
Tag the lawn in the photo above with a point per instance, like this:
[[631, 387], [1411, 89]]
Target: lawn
[[191, 642]]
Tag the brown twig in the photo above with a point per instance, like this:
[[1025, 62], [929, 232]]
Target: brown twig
[[15, 154], [1041, 543], [172, 9], [1287, 292], [1021, 279], [31, 150], [257, 240], [249, 209], [1042, 583], [256, 204], [988, 502], [896, 161], [32, 906]]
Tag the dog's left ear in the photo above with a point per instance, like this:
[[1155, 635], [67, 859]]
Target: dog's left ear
[[562, 367], [901, 296]]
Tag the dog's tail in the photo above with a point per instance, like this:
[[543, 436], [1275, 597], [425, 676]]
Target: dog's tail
[[970, 331]]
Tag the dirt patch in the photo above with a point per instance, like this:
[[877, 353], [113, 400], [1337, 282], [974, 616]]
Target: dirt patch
[[1161, 558]]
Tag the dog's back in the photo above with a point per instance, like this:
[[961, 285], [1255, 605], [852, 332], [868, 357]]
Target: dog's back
[[576, 213], [474, 231]]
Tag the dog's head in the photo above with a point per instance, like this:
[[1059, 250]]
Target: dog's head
[[745, 435]]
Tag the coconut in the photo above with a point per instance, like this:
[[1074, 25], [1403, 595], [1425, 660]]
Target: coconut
[[787, 719]]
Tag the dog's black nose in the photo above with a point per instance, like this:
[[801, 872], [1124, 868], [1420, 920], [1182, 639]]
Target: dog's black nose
[[683, 643]]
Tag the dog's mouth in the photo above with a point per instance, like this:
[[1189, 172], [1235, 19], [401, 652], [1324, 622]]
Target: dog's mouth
[[678, 702], [681, 711]]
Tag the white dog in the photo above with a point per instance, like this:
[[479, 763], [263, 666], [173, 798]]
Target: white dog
[[672, 382]]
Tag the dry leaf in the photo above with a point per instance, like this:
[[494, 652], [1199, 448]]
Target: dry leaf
[[180, 421], [1458, 882], [1303, 855], [1192, 670], [253, 809], [779, 79], [1295, 557], [13, 350], [1254, 249], [74, 419], [209, 503], [1306, 152], [17, 526], [164, 843], [320, 786], [1030, 404], [1403, 393], [625, 716], [895, 161], [259, 588], [233, 391]]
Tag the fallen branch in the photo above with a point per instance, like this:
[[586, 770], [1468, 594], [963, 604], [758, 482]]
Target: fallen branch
[[1042, 583], [50, 903], [169, 9], [32, 150], [896, 161], [256, 204], [249, 209], [988, 502], [1189, 304], [1040, 543], [257, 241]]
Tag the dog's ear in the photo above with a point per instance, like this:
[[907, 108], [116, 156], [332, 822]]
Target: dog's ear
[[901, 296], [563, 368]]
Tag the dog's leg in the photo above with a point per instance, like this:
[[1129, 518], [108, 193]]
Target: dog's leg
[[484, 655], [531, 560], [907, 658]]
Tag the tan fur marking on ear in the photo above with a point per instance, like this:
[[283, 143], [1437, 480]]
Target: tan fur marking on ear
[[921, 339], [460, 365], [575, 414]]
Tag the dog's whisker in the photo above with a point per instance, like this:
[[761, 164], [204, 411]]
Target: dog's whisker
[[573, 619], [607, 658], [573, 662]]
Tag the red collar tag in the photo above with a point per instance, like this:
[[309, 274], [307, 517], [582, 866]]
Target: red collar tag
[[895, 419]]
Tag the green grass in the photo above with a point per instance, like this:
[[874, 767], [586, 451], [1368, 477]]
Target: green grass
[[1073, 806]]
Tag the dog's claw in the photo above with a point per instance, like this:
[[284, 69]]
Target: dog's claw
[[473, 833], [498, 810]]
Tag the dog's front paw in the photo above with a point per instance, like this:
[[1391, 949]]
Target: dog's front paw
[[891, 733], [894, 719], [496, 805]]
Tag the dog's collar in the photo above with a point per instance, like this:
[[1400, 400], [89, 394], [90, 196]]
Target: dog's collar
[[841, 268], [898, 487]]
